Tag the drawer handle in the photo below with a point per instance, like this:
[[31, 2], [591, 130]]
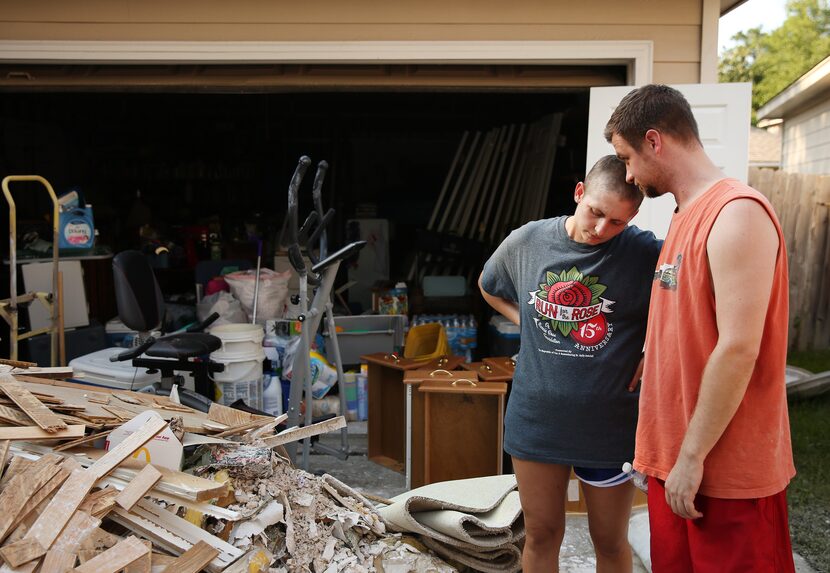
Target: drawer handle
[[486, 367], [470, 382], [511, 362], [443, 361], [434, 372]]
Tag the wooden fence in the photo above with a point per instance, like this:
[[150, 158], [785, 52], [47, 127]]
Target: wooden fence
[[802, 203]]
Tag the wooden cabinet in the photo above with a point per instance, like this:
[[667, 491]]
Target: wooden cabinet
[[387, 404], [463, 429], [455, 426]]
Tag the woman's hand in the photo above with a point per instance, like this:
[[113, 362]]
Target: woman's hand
[[635, 381]]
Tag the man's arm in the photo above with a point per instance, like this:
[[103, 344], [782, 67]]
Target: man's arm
[[742, 249], [508, 308]]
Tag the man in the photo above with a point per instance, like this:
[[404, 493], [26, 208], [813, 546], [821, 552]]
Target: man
[[578, 286], [713, 432]]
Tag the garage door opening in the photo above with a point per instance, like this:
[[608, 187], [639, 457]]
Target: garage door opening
[[173, 160]]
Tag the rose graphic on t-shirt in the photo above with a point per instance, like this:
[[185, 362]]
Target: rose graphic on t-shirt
[[568, 293], [572, 304]]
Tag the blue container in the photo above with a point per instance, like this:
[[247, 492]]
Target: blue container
[[77, 230], [362, 398]]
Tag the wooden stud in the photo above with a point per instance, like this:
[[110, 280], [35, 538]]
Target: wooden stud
[[297, 433], [115, 558], [194, 559], [36, 433], [57, 561], [146, 479], [34, 408], [20, 552]]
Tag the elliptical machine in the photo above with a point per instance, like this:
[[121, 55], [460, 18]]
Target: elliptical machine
[[321, 276]]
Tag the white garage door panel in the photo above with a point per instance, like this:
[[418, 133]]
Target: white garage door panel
[[723, 114]]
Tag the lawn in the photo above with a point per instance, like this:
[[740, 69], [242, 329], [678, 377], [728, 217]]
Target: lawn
[[809, 492]]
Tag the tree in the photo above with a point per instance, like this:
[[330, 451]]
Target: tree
[[773, 60]]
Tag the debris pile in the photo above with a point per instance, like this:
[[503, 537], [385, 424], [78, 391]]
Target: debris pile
[[239, 505]]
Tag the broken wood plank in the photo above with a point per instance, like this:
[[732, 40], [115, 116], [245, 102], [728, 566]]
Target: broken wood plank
[[79, 441], [143, 564], [46, 372], [100, 503], [242, 428], [36, 433], [194, 559], [4, 452], [232, 417], [115, 558], [14, 416], [146, 479], [20, 552], [17, 363], [61, 507], [297, 433], [40, 495], [57, 561], [126, 448], [128, 398], [34, 408], [20, 489], [80, 526], [121, 413]]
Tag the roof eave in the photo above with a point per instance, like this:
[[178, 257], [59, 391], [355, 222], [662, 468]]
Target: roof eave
[[809, 86]]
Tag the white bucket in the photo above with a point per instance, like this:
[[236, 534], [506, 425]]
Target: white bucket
[[242, 377], [239, 338]]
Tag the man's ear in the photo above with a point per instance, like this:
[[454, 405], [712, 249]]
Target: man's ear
[[654, 140], [579, 192]]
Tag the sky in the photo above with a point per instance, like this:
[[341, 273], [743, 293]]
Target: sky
[[752, 13]]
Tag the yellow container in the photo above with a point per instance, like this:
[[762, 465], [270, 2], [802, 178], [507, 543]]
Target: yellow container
[[426, 341]]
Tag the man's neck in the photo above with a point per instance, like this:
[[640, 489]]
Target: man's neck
[[694, 175]]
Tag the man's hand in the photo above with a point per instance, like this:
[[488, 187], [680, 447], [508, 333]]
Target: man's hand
[[637, 376], [682, 486]]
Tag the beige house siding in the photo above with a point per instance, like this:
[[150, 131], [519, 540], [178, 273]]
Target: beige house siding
[[806, 146], [675, 28]]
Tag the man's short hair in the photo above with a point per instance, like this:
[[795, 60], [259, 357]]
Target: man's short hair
[[653, 107], [608, 174]]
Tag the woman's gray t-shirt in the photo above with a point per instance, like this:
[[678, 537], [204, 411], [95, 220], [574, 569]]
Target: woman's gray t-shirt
[[583, 311]]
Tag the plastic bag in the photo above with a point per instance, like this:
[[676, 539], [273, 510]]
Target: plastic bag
[[273, 290], [229, 309]]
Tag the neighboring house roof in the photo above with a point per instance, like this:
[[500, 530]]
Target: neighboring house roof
[[764, 148], [813, 85], [729, 5]]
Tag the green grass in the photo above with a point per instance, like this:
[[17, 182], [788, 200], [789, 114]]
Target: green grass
[[809, 492]]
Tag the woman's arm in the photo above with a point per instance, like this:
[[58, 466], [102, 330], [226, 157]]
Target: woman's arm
[[508, 308]]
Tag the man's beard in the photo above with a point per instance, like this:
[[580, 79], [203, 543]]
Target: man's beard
[[649, 191]]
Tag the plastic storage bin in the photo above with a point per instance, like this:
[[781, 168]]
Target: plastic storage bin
[[366, 334]]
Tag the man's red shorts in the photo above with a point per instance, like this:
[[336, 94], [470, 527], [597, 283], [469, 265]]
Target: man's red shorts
[[734, 535]]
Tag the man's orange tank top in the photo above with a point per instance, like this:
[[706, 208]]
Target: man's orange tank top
[[753, 457]]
